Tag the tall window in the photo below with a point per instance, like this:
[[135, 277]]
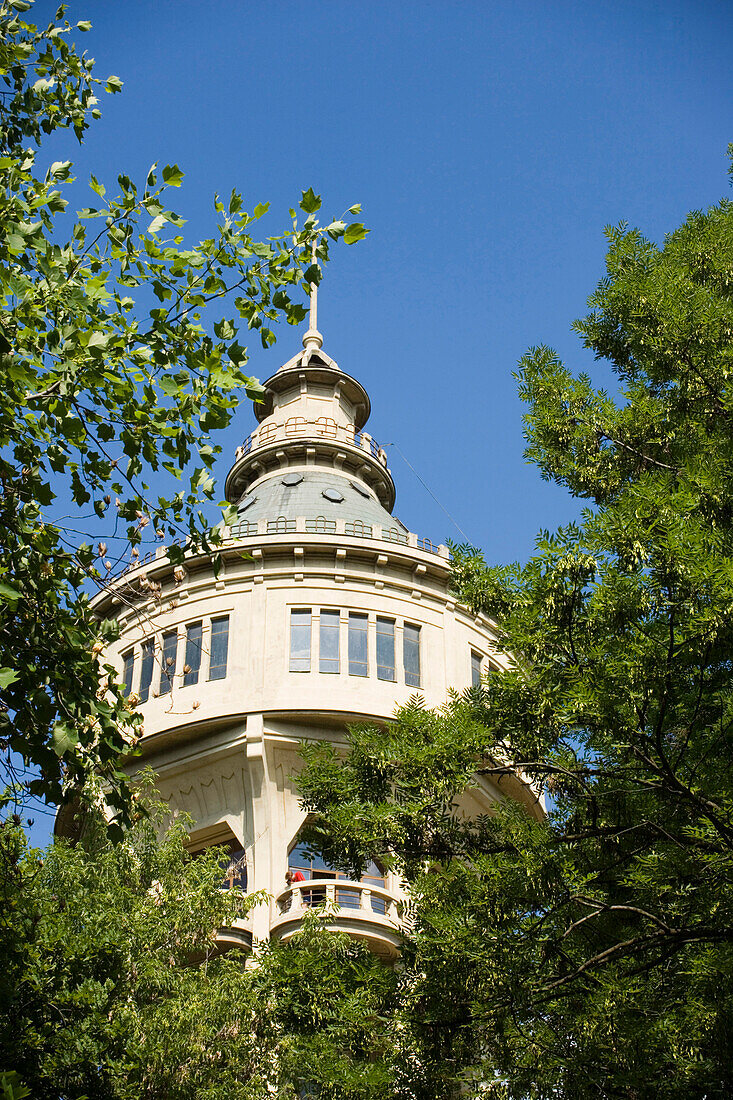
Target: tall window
[[411, 654], [385, 649], [358, 652], [328, 657], [219, 648], [129, 659], [168, 661], [146, 669], [300, 641], [475, 668], [193, 654]]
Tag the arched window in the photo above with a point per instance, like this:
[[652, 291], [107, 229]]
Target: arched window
[[234, 858]]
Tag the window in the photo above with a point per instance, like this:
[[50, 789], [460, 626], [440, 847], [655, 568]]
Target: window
[[476, 660], [314, 868], [385, 649], [146, 669], [300, 641], [235, 868], [328, 658], [219, 648], [358, 652], [411, 654], [168, 661], [193, 654], [129, 659]]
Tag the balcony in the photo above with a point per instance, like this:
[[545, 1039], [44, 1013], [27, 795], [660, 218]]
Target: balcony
[[237, 934], [366, 912], [324, 429]]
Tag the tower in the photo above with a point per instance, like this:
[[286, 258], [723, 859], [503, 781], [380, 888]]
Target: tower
[[326, 611]]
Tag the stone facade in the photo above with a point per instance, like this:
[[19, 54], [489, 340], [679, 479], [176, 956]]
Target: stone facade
[[326, 611]]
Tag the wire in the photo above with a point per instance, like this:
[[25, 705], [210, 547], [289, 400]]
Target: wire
[[429, 490]]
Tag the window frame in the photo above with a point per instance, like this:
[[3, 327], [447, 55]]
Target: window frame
[[221, 664], [353, 631], [329, 631], [300, 664], [382, 619], [416, 640]]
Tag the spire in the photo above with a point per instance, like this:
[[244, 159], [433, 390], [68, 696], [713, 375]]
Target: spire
[[313, 341]]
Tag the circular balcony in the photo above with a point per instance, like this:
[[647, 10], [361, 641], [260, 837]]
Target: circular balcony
[[357, 451], [364, 911]]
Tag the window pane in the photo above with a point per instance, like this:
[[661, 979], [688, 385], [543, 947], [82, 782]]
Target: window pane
[[219, 648], [475, 669], [168, 661], [129, 659], [329, 652], [300, 641], [358, 659], [385, 649], [146, 669], [411, 654], [193, 654]]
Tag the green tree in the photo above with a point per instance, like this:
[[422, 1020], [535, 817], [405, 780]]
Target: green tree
[[591, 953], [111, 986], [118, 364]]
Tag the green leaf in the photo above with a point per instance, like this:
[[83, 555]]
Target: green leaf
[[310, 202], [157, 223], [355, 232], [260, 209], [355, 209], [172, 175], [9, 593], [65, 738], [97, 186], [8, 676], [114, 84]]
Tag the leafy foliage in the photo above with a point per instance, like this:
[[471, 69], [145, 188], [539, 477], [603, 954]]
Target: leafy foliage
[[112, 987], [118, 364], [589, 953]]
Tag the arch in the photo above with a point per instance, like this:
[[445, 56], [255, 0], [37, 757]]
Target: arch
[[296, 425], [280, 526], [266, 433], [321, 526], [326, 426], [234, 857], [358, 528]]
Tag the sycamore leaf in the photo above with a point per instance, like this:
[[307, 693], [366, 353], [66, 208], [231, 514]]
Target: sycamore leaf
[[355, 232], [8, 676], [310, 202]]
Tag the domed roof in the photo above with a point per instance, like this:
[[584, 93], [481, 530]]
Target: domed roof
[[313, 492]]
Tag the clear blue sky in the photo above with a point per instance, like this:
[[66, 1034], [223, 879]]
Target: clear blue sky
[[488, 143]]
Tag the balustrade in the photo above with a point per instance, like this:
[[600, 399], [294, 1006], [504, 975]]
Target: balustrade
[[351, 897], [325, 427]]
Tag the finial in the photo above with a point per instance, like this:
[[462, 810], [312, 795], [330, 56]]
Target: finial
[[312, 340]]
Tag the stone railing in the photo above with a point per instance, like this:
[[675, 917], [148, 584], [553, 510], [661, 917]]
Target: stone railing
[[322, 525], [284, 525], [350, 899], [324, 428]]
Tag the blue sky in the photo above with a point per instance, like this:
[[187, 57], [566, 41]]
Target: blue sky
[[488, 143]]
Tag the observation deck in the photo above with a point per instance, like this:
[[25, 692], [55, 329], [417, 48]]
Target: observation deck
[[367, 913]]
